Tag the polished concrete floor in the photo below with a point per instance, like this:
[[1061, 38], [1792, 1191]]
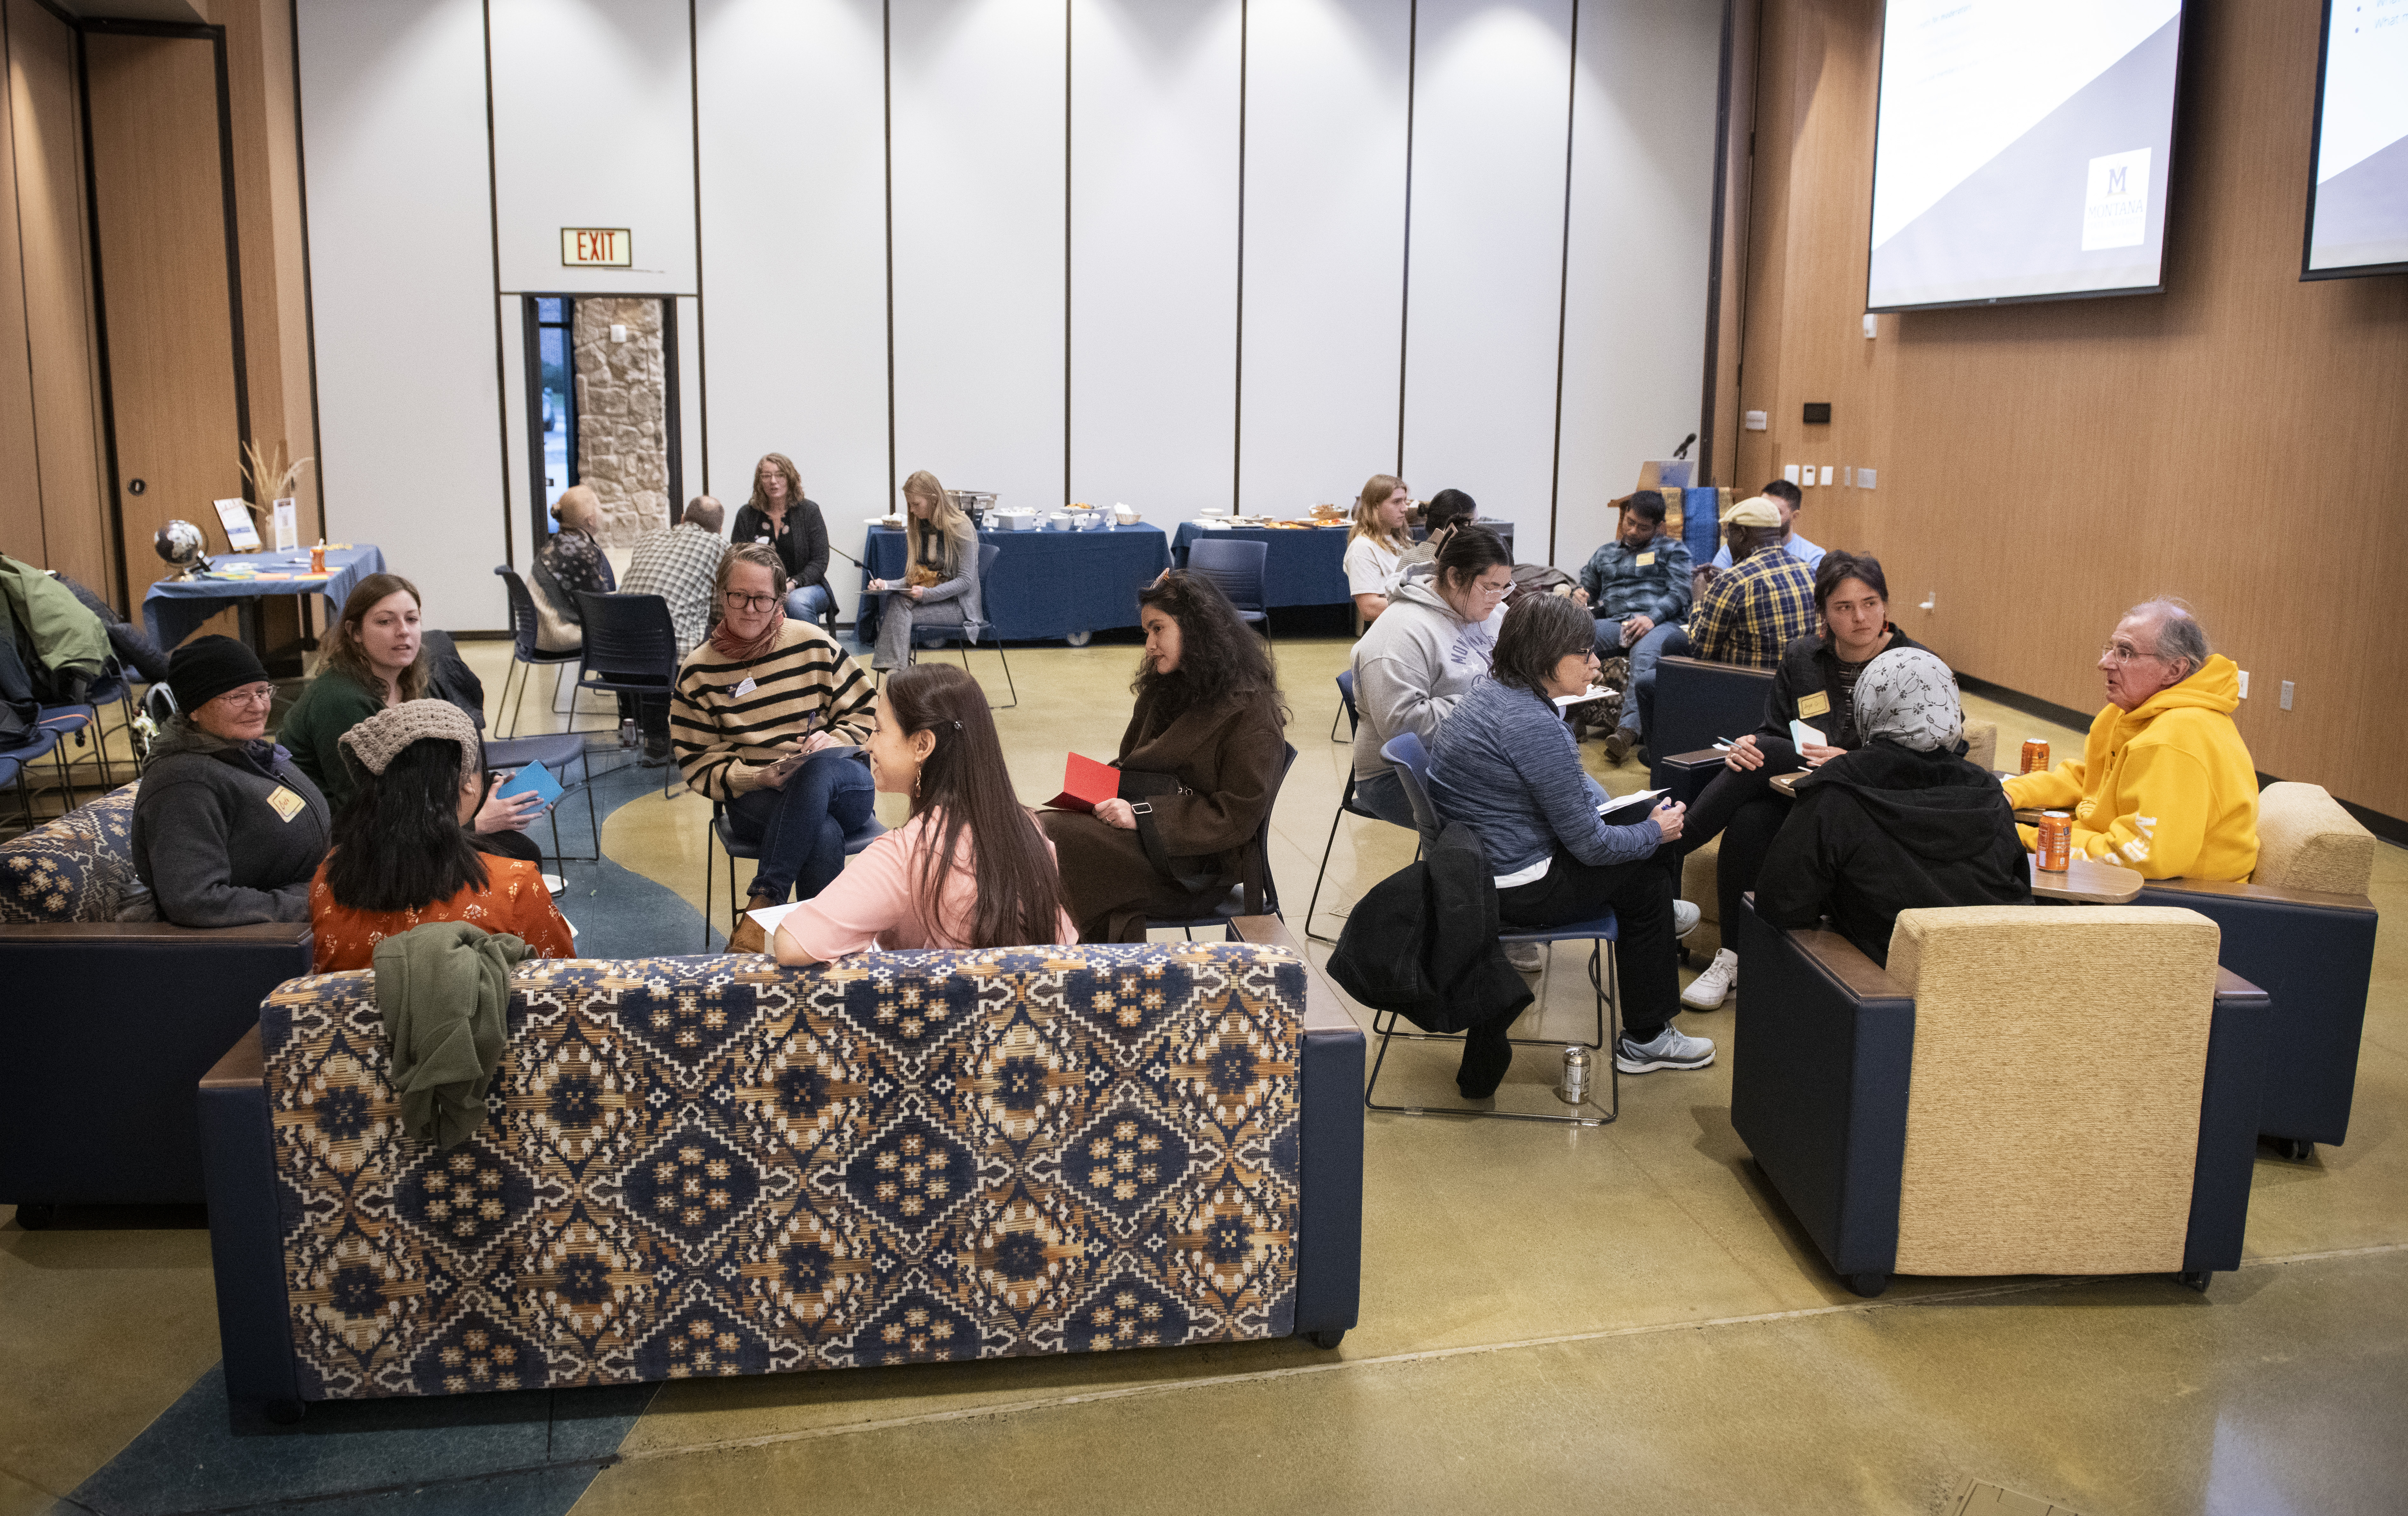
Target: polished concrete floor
[[1618, 1318]]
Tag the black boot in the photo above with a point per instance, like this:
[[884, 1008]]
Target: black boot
[[1486, 1057]]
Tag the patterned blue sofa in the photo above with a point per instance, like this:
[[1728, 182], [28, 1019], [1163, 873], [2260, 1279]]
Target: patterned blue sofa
[[715, 1166], [108, 1024]]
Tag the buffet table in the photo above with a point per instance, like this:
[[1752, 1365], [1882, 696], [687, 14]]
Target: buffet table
[[1045, 584]]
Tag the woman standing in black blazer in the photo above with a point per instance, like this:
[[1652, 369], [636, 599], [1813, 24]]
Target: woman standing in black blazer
[[778, 514]]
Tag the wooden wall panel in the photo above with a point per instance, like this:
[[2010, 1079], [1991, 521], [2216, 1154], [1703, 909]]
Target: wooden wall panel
[[54, 263], [21, 484], [267, 210], [2239, 440], [164, 302]]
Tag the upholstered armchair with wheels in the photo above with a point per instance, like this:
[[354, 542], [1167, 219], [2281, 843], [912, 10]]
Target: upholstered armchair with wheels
[[2024, 1089], [2303, 928]]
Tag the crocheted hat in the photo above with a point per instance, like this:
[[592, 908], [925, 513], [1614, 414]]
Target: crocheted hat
[[369, 747]]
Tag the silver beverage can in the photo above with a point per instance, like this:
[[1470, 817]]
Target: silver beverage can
[[627, 733], [1573, 1090]]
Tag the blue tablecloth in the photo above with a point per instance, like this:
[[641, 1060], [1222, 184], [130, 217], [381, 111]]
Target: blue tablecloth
[[1304, 567], [1045, 584], [174, 608]]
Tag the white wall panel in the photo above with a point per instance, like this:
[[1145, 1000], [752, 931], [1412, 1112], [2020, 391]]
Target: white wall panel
[[1325, 248], [402, 291], [1490, 99], [517, 475], [794, 226], [1641, 223], [979, 244], [594, 127], [1153, 253], [690, 389]]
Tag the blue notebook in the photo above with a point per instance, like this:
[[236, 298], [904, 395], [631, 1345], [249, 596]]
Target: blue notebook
[[532, 780]]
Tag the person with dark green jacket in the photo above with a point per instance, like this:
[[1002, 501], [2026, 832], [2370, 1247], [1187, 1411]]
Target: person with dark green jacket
[[227, 830]]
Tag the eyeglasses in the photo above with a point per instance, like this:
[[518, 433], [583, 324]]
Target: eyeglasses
[[256, 694], [2122, 653], [739, 600]]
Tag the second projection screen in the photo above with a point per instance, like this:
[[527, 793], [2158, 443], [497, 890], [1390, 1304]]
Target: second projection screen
[[2022, 150]]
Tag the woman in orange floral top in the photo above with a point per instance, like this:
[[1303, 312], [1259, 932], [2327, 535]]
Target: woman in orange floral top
[[400, 857]]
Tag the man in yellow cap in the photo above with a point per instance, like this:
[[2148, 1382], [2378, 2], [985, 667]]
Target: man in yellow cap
[[1748, 613], [2164, 785]]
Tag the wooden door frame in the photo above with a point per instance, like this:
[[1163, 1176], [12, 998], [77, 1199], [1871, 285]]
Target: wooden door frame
[[215, 37]]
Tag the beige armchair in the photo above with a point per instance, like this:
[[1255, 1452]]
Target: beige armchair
[[1925, 1119]]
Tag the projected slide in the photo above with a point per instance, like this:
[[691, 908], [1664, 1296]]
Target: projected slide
[[2357, 213], [2022, 150]]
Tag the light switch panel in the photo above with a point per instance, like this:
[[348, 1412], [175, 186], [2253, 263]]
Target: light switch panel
[[1827, 473], [1863, 478], [1753, 421], [1790, 472]]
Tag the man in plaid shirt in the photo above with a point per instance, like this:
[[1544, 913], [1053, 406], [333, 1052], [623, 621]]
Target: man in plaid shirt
[[1750, 611], [680, 565]]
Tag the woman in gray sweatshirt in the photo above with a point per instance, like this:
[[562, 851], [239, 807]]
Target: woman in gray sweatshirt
[[1421, 657], [1505, 765]]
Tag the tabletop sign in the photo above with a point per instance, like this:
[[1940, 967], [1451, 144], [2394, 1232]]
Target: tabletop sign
[[596, 247]]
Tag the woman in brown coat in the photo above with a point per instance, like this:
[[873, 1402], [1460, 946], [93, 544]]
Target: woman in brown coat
[[1209, 715]]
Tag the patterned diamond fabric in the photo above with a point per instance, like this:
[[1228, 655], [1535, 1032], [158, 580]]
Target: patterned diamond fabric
[[717, 1167], [75, 868]]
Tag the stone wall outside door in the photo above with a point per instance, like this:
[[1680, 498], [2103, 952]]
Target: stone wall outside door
[[622, 415]]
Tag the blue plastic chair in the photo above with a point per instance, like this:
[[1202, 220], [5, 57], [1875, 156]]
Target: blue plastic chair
[[854, 841], [1346, 807], [12, 769], [1412, 767], [1237, 565]]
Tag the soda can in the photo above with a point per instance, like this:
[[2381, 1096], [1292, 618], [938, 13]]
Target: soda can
[[1575, 1090], [2035, 755], [2056, 841], [627, 733]]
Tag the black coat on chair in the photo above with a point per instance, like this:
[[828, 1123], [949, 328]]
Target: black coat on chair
[[1423, 942]]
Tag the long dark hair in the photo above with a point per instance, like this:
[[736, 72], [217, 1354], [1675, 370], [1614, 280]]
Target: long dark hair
[[399, 843], [1019, 898], [1220, 658]]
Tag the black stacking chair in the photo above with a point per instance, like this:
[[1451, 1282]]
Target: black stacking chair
[[1236, 565], [525, 655], [939, 635], [630, 649], [1239, 901]]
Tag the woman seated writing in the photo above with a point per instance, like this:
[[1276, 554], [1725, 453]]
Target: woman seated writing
[[1815, 684], [1421, 657], [373, 657], [1505, 765], [969, 869], [1209, 721], [767, 718], [402, 857], [227, 829], [941, 586], [1900, 823]]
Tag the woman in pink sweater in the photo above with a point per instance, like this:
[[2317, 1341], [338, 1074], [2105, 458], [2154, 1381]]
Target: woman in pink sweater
[[969, 869]]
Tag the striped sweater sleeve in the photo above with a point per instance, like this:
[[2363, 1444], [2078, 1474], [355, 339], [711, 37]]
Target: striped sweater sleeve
[[724, 732]]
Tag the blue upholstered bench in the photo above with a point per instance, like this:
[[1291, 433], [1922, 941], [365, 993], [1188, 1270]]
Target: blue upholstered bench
[[715, 1166]]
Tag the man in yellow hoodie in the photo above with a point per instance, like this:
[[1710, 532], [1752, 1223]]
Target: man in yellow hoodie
[[2164, 785]]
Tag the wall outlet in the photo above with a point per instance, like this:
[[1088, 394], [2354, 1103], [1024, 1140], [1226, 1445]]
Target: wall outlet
[[2244, 684], [1872, 324], [1863, 478], [2286, 695]]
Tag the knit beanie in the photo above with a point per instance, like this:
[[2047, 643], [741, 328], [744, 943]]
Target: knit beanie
[[371, 745], [207, 667]]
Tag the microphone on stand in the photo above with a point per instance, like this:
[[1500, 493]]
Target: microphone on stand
[[1683, 451]]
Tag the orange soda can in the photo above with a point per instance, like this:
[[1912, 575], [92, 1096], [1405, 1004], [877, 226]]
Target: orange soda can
[[2056, 841], [2035, 755]]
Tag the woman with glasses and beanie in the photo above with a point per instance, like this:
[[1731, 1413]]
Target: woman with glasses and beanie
[[1505, 765], [227, 829], [969, 869], [402, 855], [767, 718]]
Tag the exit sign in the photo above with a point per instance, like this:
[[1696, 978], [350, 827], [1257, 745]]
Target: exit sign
[[595, 246]]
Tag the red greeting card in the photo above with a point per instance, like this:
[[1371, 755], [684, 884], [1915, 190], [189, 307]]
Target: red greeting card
[[1084, 781]]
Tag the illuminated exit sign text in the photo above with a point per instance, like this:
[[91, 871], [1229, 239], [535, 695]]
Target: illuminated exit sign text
[[595, 246]]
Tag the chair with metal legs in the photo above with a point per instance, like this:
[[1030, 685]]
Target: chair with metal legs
[[724, 835], [525, 655], [1412, 769], [1235, 904], [988, 553], [1346, 807]]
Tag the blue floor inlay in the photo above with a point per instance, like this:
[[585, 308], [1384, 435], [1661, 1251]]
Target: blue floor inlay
[[518, 1453]]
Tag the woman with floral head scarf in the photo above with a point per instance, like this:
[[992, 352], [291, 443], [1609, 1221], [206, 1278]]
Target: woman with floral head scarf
[[1900, 823]]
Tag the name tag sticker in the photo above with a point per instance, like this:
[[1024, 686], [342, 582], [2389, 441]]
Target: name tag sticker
[[285, 803], [1645, 559], [1817, 704], [747, 687]]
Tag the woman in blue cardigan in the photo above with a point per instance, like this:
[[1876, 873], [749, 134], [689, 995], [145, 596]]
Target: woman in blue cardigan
[[1505, 765]]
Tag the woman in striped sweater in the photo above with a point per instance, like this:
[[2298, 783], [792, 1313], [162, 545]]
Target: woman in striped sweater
[[768, 718]]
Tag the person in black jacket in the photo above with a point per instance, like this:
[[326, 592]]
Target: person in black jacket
[[781, 516], [1900, 823], [1814, 685]]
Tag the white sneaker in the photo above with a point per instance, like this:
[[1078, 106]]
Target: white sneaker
[[1672, 1049], [1528, 957], [1715, 980], [1686, 918]]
